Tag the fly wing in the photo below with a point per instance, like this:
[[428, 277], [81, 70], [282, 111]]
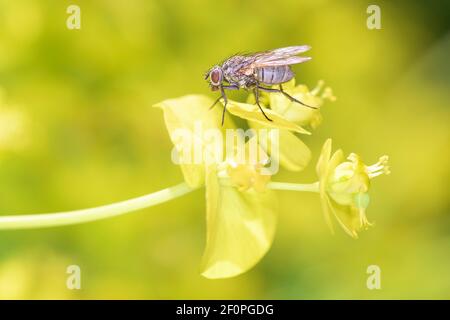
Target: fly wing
[[290, 51], [277, 57], [281, 56], [280, 61]]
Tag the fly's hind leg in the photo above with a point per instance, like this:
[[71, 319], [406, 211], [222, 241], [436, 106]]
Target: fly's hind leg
[[256, 92], [286, 95], [293, 99]]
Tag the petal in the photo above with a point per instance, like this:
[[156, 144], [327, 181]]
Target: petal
[[292, 153], [331, 165], [324, 158], [185, 113], [264, 99], [240, 228], [302, 115], [326, 210], [341, 197], [252, 112], [293, 110], [335, 160], [347, 217], [296, 112], [290, 85]]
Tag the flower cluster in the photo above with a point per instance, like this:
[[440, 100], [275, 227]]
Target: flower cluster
[[240, 199]]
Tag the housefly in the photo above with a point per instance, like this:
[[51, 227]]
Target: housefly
[[256, 71]]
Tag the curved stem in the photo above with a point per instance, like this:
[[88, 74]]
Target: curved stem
[[34, 221], [310, 187], [92, 214]]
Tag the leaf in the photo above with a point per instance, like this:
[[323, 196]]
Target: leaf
[[240, 228], [251, 112], [292, 154], [189, 113]]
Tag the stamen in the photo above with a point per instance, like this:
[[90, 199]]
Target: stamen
[[318, 87], [379, 168], [328, 94], [364, 223], [353, 157]]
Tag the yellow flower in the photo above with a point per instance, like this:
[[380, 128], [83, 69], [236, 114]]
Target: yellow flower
[[240, 213], [240, 226], [295, 112], [294, 155], [246, 176], [182, 114], [241, 217], [344, 187], [252, 113]]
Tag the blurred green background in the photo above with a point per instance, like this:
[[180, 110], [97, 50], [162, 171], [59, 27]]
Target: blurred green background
[[77, 130]]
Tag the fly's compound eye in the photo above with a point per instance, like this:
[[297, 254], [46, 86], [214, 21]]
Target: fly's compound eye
[[216, 77]]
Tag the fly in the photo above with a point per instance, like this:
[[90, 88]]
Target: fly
[[256, 71]]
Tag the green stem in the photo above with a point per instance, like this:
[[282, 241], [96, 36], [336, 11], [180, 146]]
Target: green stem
[[34, 221], [79, 216], [310, 187]]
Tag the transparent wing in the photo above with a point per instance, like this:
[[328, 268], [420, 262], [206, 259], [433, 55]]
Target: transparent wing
[[280, 62], [279, 57], [289, 51]]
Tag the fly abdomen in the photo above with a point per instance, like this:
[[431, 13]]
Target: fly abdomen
[[274, 74]]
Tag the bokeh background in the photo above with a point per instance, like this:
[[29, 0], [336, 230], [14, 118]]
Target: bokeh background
[[77, 130]]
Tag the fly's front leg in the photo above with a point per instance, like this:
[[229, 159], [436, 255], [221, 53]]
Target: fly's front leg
[[230, 87], [286, 95], [215, 102], [225, 102], [256, 92], [225, 99]]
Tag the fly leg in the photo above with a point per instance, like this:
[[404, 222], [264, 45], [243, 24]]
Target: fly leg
[[215, 102], [225, 100], [256, 92], [286, 95], [231, 87], [293, 99]]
